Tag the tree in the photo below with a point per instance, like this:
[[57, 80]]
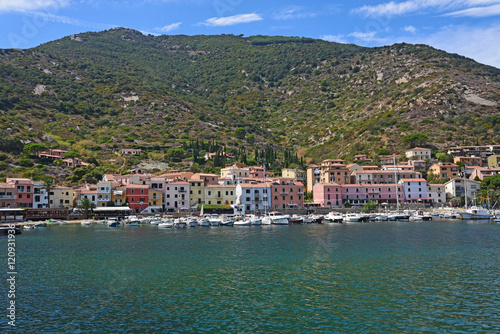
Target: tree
[[87, 205], [48, 185], [491, 182], [370, 206], [251, 139], [443, 157], [240, 133], [34, 148], [415, 139]]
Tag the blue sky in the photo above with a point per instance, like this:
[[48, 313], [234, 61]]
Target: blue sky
[[467, 27]]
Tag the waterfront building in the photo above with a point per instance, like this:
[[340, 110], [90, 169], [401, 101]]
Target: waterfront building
[[155, 200], [457, 187], [436, 192], [382, 176], [119, 195], [40, 196], [137, 196], [419, 153], [104, 189], [177, 195], [415, 190], [220, 194], [469, 161], [359, 194], [327, 194], [234, 171], [24, 191], [196, 192], [445, 170], [286, 193], [61, 197], [8, 195], [253, 197]]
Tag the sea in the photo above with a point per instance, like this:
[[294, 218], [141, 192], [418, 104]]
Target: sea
[[384, 277]]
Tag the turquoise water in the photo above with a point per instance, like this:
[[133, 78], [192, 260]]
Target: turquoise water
[[391, 277]]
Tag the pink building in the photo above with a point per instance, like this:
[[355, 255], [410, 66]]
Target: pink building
[[358, 194], [286, 193], [24, 190], [257, 172], [327, 194], [8, 195]]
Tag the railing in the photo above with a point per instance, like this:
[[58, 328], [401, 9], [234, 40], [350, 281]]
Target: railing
[[8, 196], [182, 190], [283, 192]]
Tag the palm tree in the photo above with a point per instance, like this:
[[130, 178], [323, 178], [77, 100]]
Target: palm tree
[[87, 205], [48, 185]]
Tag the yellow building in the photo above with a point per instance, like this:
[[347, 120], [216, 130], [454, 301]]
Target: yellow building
[[234, 170], [220, 194], [61, 197], [155, 199], [119, 196], [196, 192], [294, 173]]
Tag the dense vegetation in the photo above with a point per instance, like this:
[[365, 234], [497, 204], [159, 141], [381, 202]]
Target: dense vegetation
[[96, 92]]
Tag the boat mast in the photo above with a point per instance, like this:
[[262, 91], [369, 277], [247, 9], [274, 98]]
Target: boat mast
[[465, 187], [396, 181]]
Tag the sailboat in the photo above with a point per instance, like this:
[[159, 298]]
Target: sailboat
[[474, 212], [397, 216]]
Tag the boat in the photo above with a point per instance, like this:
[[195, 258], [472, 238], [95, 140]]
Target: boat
[[295, 219], [166, 224], [191, 222], [226, 221], [87, 222], [203, 222], [333, 217], [213, 219], [308, 220], [41, 223], [255, 220], [354, 218], [242, 222], [179, 223], [474, 213], [113, 222], [275, 218]]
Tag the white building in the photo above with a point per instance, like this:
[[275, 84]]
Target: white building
[[40, 198], [253, 197], [104, 189], [418, 153], [415, 190], [437, 193], [456, 187]]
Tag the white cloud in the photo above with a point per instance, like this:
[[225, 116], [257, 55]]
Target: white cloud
[[294, 12], [340, 38], [478, 43], [26, 5], [477, 11], [170, 27], [48, 17], [365, 36], [392, 8], [232, 20], [411, 29]]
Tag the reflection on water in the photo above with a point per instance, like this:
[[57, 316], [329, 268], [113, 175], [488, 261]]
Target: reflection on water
[[377, 277]]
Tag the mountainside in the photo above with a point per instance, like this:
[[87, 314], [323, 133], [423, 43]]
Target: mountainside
[[119, 88]]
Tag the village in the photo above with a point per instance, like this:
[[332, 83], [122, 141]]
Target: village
[[252, 189]]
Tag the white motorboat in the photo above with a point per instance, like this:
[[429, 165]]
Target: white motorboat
[[166, 224], [41, 223], [242, 222], [275, 218], [86, 222], [191, 222], [255, 220], [213, 219], [113, 222], [334, 217], [179, 223], [203, 222], [352, 218]]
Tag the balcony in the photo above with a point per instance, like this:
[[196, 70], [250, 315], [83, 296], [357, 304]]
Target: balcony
[[283, 192], [182, 190], [8, 196]]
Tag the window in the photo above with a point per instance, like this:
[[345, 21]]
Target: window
[[247, 191]]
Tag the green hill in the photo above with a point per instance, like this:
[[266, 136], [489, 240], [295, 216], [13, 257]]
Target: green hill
[[95, 92]]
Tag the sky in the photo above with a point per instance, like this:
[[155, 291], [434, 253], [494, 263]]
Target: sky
[[466, 27]]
